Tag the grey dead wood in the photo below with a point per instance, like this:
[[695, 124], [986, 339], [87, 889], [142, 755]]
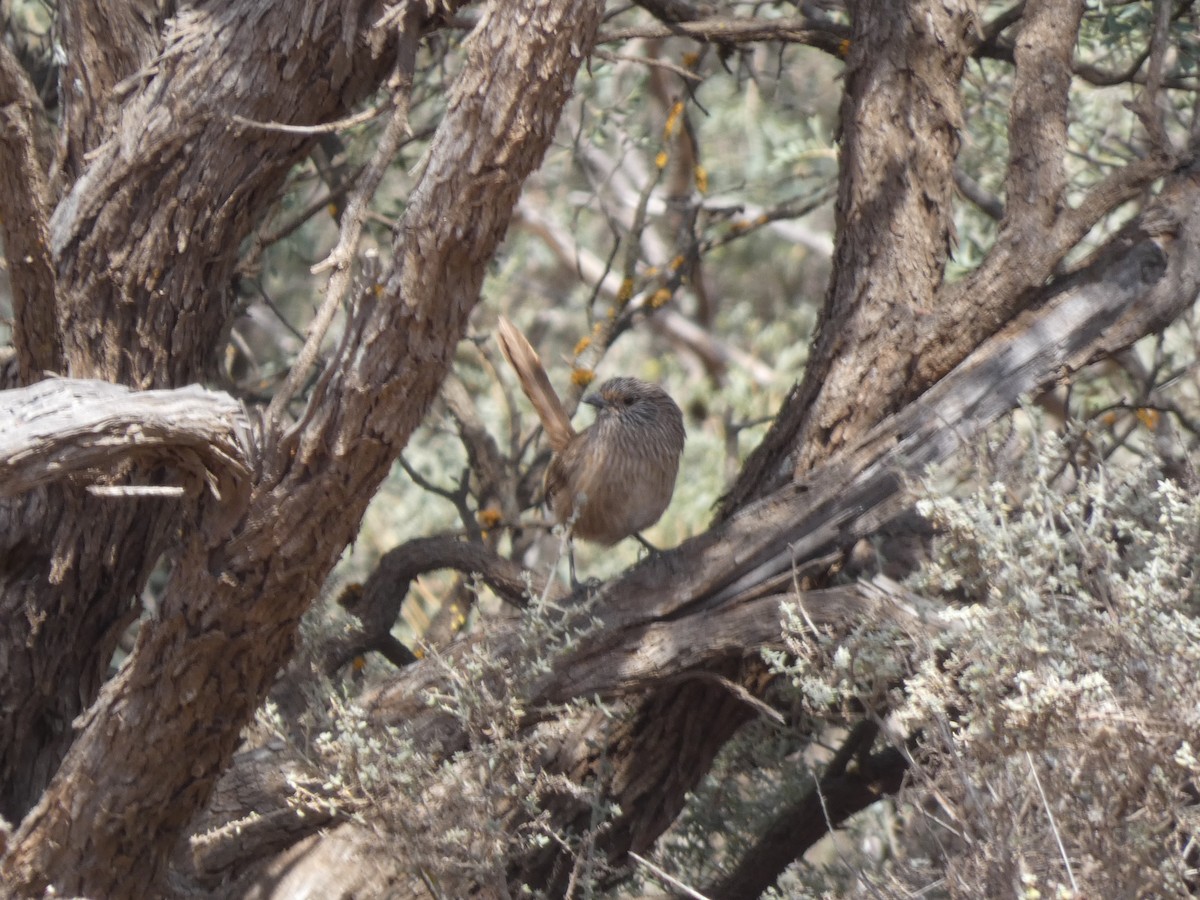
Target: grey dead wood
[[63, 427]]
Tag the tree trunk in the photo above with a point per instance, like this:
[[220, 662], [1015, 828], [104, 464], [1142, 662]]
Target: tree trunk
[[891, 327], [177, 193]]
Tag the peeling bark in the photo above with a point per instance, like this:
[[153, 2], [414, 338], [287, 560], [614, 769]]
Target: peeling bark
[[60, 428]]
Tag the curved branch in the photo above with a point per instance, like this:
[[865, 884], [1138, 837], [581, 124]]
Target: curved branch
[[720, 577], [377, 603], [1038, 229], [901, 118], [61, 427]]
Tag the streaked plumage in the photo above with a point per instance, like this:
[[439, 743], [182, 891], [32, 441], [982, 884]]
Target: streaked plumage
[[624, 464], [615, 477]]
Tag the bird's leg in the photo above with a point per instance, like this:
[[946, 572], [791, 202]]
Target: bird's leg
[[571, 563]]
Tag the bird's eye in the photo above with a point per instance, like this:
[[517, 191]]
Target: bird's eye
[[628, 401]]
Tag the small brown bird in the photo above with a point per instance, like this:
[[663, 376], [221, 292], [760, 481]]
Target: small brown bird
[[615, 477]]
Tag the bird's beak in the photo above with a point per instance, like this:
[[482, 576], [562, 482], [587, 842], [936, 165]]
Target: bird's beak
[[595, 400]]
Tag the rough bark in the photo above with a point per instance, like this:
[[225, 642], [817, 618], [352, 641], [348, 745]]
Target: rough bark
[[231, 610], [105, 43], [650, 632], [887, 301], [60, 428], [177, 183], [25, 194], [141, 252], [900, 120], [255, 812]]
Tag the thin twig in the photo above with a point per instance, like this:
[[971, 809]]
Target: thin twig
[[648, 62], [135, 490], [341, 257], [367, 115], [669, 879], [1053, 825]]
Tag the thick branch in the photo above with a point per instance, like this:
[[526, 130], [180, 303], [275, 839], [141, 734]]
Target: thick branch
[[901, 118], [674, 609], [60, 427], [25, 199], [177, 185], [1038, 120], [269, 800], [144, 243], [1038, 229]]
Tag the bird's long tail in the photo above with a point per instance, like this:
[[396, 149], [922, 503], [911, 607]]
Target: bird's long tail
[[536, 384]]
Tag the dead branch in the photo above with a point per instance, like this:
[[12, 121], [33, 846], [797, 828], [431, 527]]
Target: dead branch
[[377, 604], [62, 427]]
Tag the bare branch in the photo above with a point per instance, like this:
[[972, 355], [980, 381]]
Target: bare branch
[[367, 115], [60, 427], [894, 207], [1149, 104], [270, 798], [377, 604]]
